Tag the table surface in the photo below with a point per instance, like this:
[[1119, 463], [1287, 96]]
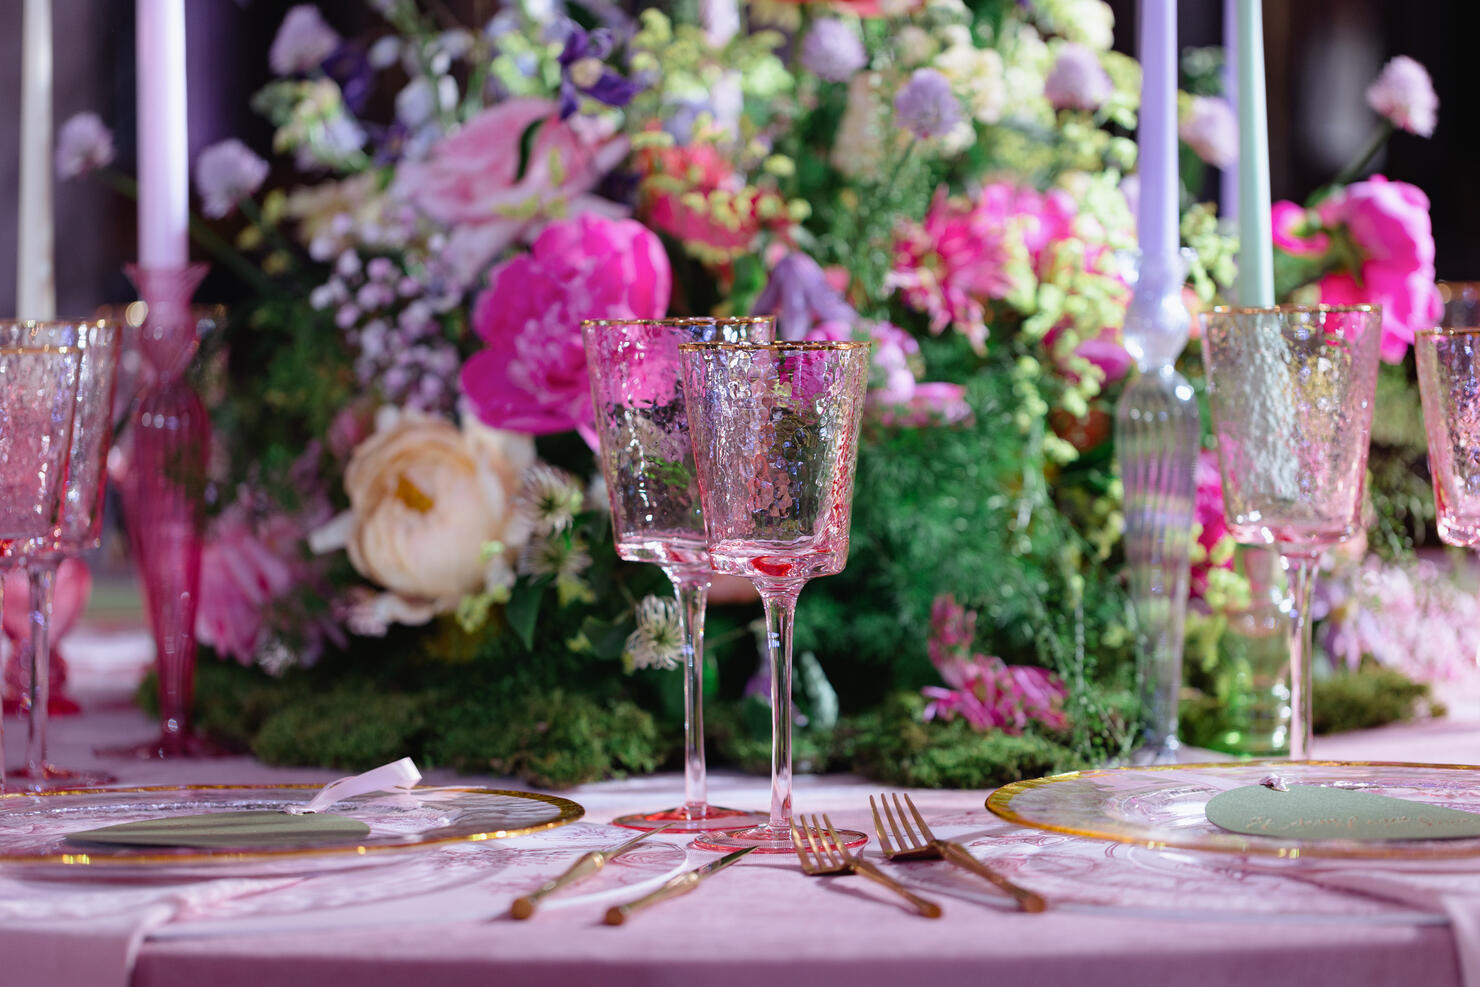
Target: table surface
[[763, 922]]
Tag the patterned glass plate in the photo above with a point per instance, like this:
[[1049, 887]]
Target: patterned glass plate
[[1165, 806], [33, 827]]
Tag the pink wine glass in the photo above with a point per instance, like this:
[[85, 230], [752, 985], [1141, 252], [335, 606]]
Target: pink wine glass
[[79, 529], [1448, 361], [648, 462], [775, 434], [1291, 389]]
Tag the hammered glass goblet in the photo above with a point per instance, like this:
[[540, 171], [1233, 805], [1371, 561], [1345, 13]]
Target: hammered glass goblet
[[648, 463], [79, 529], [775, 434], [1291, 391], [1448, 361], [38, 398]]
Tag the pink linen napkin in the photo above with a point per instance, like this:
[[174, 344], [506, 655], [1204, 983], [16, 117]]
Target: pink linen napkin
[[71, 932]]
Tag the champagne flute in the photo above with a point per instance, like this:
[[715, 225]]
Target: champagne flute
[[648, 463], [79, 529], [775, 435], [1291, 390]]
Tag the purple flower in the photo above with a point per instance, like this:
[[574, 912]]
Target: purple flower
[[1077, 81], [798, 295], [925, 106], [349, 65], [1404, 94], [584, 71], [1211, 131], [303, 42], [83, 144], [833, 51], [226, 173]]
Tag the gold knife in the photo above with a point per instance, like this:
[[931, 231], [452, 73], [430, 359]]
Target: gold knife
[[586, 865], [682, 884]]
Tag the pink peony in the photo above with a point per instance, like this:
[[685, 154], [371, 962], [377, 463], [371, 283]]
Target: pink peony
[[470, 181], [1291, 225], [1389, 223], [1404, 94], [240, 576], [531, 375]]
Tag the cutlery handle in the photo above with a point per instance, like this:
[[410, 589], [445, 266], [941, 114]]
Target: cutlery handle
[[1028, 901], [924, 906], [586, 865], [682, 884]]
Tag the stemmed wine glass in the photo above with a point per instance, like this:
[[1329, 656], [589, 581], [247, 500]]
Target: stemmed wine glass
[[38, 398], [775, 435], [648, 463], [1291, 390], [1448, 361], [79, 528]]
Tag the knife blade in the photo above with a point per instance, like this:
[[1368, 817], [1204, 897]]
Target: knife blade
[[682, 884], [586, 865]]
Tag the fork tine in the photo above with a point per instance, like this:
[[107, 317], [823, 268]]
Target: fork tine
[[904, 824], [796, 841], [884, 843], [817, 843], [919, 819], [893, 824], [836, 840]]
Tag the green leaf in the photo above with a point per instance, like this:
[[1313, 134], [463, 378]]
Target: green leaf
[[523, 609]]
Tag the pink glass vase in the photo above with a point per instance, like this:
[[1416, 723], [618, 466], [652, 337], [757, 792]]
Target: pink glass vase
[[168, 438]]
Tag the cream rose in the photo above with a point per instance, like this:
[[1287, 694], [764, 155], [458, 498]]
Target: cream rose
[[425, 500]]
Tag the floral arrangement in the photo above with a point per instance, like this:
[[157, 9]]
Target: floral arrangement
[[413, 553]]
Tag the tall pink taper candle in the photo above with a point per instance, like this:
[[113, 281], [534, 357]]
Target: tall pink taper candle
[[1157, 208], [164, 172], [35, 284]]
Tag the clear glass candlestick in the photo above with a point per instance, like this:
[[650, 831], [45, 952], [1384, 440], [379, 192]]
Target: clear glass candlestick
[[775, 435], [647, 461], [1291, 389]]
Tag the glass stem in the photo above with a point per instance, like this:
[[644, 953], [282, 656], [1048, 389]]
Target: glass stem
[[41, 574], [781, 605], [692, 592], [1300, 570]]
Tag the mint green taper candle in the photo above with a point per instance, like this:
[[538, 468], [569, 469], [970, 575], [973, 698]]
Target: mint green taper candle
[[1255, 286]]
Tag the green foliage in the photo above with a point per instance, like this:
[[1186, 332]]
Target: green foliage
[[1369, 697], [893, 745]]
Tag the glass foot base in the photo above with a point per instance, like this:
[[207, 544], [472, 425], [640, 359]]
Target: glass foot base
[[1160, 752], [692, 819], [166, 747], [766, 839], [54, 779]]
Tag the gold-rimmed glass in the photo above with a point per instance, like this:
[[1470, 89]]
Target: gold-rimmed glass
[[1448, 362], [647, 461], [1291, 390], [775, 435]]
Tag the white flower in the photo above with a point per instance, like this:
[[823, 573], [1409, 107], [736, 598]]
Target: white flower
[[384, 53], [976, 75], [1087, 22], [860, 148], [1209, 128], [561, 556], [226, 173], [303, 41], [658, 641], [83, 144], [417, 103], [550, 498], [1404, 94]]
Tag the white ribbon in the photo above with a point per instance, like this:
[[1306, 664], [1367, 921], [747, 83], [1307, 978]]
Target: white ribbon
[[396, 775]]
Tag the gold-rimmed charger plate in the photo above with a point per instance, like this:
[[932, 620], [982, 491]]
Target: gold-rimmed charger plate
[[1165, 806], [34, 826]]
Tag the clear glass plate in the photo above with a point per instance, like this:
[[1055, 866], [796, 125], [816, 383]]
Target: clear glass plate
[[34, 826], [1166, 806]]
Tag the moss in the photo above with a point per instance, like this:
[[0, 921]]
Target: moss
[[1369, 697]]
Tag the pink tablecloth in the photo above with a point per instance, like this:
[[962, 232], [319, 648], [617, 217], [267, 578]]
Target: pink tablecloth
[[763, 923]]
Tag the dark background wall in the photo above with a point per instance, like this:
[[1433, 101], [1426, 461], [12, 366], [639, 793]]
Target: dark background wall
[[1320, 55]]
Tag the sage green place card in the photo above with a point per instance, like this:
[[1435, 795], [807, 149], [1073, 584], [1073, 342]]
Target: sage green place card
[[261, 829], [1320, 812]]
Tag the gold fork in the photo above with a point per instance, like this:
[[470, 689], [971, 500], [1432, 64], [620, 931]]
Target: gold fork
[[924, 846], [828, 856]]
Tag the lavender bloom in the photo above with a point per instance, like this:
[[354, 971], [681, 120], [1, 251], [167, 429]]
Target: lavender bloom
[[1077, 81], [925, 106], [1211, 131], [349, 65], [833, 51], [83, 144], [226, 173], [584, 71], [303, 42], [1404, 94], [798, 295]]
